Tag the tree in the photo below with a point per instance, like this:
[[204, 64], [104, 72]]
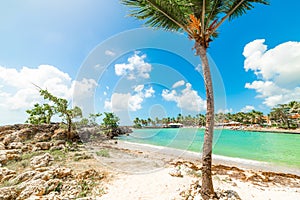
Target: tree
[[40, 114], [61, 107], [110, 121], [93, 118], [200, 19], [137, 123]]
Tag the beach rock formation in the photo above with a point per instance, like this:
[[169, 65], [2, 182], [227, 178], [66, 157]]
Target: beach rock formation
[[32, 165]]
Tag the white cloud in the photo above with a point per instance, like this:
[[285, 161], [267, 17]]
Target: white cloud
[[198, 68], [230, 110], [186, 99], [277, 71], [18, 91], [149, 92], [83, 89], [178, 84], [135, 68], [128, 101], [139, 88], [247, 109], [110, 53]]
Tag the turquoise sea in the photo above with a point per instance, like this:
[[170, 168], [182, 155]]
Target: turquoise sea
[[275, 148]]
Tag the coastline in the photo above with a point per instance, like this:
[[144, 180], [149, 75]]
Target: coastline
[[273, 130], [217, 159], [143, 171], [253, 129]]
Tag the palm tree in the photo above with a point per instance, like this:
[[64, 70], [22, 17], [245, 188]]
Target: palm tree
[[200, 19]]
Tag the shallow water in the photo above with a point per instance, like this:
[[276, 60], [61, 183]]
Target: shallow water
[[279, 149]]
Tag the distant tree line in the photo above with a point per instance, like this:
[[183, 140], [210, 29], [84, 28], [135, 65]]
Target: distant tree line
[[282, 116]]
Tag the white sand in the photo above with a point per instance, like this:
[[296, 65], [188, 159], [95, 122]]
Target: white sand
[[142, 173]]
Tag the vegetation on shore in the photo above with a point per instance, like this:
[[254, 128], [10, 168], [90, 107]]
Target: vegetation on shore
[[72, 117], [285, 116]]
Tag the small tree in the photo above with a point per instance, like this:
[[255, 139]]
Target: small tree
[[40, 114], [110, 121], [93, 118], [61, 107]]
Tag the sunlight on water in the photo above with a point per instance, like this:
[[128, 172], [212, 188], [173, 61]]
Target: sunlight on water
[[281, 149]]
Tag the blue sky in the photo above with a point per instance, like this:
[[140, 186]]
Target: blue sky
[[79, 50]]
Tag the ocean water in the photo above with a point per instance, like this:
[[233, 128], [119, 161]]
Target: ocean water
[[278, 149]]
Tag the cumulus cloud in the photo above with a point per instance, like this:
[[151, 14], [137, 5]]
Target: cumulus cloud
[[127, 101], [178, 84], [135, 68], [277, 71], [187, 99], [110, 53], [230, 110], [18, 90], [247, 109]]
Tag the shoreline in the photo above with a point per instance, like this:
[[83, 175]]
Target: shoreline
[[253, 129], [155, 172], [217, 159]]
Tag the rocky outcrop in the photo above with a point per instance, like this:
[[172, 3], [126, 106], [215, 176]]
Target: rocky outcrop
[[34, 149], [96, 132]]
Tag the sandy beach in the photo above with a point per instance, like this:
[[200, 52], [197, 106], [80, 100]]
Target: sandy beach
[[148, 172]]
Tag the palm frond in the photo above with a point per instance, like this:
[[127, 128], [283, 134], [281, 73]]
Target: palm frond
[[236, 8], [241, 7], [166, 14]]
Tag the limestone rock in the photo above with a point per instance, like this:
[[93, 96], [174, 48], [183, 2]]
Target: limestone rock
[[15, 145], [60, 134], [4, 133], [4, 173], [62, 172], [46, 175], [175, 172], [42, 136], [33, 187], [43, 145], [9, 139], [6, 155], [8, 193], [2, 146], [59, 142], [24, 176], [41, 161], [25, 134]]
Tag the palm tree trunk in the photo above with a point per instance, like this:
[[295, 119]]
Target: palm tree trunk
[[207, 185]]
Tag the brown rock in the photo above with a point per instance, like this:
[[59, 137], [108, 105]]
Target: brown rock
[[43, 145], [60, 134], [8, 193], [33, 187], [52, 184], [9, 139], [2, 146], [4, 133], [6, 174], [43, 136], [5, 128], [25, 134], [6, 155], [15, 145], [28, 175], [46, 175], [41, 161], [62, 172]]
